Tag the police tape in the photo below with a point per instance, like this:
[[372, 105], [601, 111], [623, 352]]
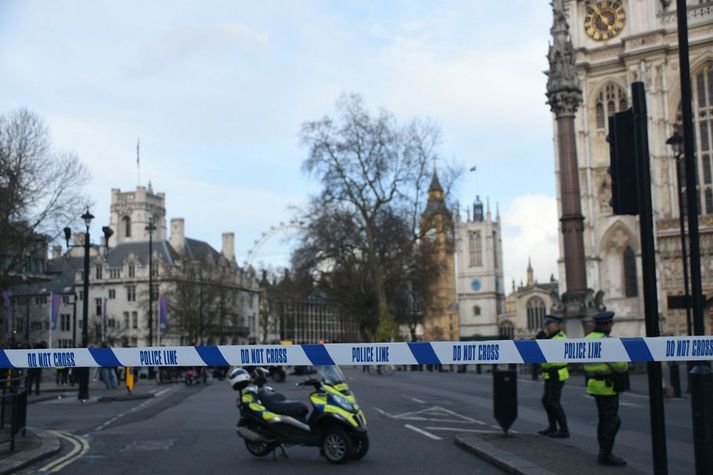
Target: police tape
[[480, 352]]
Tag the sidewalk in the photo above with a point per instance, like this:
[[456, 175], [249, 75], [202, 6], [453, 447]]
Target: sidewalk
[[98, 391], [527, 454], [35, 445]]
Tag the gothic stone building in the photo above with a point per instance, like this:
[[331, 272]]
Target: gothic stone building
[[637, 42]]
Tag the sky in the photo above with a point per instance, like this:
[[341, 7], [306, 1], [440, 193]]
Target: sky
[[217, 91]]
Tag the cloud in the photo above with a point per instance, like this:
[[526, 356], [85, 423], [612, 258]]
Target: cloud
[[530, 231]]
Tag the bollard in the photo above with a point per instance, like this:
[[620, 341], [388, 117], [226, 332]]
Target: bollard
[[701, 383], [505, 397], [675, 378]]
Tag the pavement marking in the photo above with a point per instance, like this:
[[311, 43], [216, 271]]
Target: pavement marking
[[107, 423], [80, 447], [422, 432], [414, 399], [629, 404], [162, 392], [458, 429]]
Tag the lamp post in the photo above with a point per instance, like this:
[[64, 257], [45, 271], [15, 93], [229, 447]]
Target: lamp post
[[74, 320], [87, 217], [676, 143], [151, 228]]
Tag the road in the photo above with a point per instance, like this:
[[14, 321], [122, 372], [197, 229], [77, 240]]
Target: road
[[413, 418]]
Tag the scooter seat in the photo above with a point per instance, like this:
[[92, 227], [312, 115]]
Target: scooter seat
[[266, 395], [286, 408]]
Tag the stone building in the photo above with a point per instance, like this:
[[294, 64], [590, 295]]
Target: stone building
[[617, 43], [441, 319], [211, 300], [526, 307], [479, 271]]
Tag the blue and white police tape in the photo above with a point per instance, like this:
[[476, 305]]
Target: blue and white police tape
[[481, 352]]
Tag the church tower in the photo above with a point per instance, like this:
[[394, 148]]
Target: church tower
[[479, 265], [441, 316], [131, 212]]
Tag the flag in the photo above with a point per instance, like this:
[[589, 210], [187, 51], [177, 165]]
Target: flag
[[163, 313], [55, 300], [6, 307]]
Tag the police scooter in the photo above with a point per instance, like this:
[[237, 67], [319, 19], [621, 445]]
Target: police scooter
[[335, 424]]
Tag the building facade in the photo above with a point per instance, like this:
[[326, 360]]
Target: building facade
[[617, 43], [479, 271], [208, 298]]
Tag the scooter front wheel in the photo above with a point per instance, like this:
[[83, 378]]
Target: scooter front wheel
[[337, 446], [259, 449], [361, 446]]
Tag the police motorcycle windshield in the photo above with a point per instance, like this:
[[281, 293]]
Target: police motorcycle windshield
[[331, 375]]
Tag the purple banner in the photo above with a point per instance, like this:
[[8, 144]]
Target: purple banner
[[55, 301], [163, 312]]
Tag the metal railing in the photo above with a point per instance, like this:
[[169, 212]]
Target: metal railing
[[13, 408]]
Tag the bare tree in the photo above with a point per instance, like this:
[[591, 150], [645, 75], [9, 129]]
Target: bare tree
[[40, 193]]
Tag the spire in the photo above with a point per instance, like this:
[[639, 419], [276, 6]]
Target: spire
[[530, 273], [497, 211], [477, 210], [564, 92], [487, 208], [435, 187]]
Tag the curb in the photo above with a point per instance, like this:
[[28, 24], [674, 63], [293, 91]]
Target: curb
[[502, 459], [50, 445]]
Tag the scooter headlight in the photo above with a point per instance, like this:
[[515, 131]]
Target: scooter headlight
[[342, 402]]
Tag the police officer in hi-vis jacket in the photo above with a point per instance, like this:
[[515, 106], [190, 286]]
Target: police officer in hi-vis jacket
[[554, 374], [604, 382]]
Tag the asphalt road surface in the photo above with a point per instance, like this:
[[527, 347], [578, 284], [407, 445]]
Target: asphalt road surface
[[413, 418]]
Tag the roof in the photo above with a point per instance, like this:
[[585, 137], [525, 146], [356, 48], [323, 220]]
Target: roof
[[140, 250], [435, 183], [61, 272]]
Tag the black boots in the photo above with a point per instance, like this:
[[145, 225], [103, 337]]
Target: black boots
[[611, 460]]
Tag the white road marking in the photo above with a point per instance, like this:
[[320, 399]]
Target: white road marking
[[162, 392], [80, 447], [629, 404], [422, 432], [457, 429], [414, 399], [107, 423]]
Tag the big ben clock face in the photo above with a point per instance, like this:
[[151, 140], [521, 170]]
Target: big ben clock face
[[604, 20]]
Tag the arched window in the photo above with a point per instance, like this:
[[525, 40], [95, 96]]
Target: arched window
[[631, 287], [702, 85], [475, 249], [614, 97], [507, 330], [476, 310], [535, 313], [126, 226]]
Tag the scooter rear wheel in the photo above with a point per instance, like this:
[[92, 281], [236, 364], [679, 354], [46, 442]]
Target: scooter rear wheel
[[259, 449], [337, 446]]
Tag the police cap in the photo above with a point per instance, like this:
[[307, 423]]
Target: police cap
[[552, 319], [603, 317]]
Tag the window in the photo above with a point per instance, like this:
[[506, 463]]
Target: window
[[702, 85], [98, 303], [126, 226], [495, 250], [111, 323], [476, 310], [631, 288], [80, 295], [115, 273], [112, 294], [131, 293], [65, 299], [507, 330], [126, 320], [154, 270], [154, 292], [64, 322], [99, 272], [611, 99], [131, 271], [41, 300], [475, 249], [535, 313], [134, 320]]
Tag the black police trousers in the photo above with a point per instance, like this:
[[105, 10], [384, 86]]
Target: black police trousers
[[609, 422], [551, 403]]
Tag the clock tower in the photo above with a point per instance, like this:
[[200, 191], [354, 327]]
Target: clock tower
[[479, 270]]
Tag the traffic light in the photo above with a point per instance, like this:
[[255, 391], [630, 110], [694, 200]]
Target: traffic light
[[622, 168]]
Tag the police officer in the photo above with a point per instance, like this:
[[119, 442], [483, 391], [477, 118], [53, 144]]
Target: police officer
[[603, 383], [554, 374]]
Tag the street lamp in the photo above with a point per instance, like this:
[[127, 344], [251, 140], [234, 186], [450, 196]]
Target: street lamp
[[84, 372], [151, 228], [676, 143]]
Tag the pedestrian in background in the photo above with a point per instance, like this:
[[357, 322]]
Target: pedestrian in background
[[554, 374], [605, 381]]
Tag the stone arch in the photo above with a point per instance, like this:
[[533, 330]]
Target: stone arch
[[674, 96], [506, 329], [616, 247], [599, 111], [125, 227], [536, 310]]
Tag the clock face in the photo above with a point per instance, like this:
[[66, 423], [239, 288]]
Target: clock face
[[604, 20], [475, 285]]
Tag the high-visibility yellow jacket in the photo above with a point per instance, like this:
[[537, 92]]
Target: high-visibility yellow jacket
[[599, 375], [562, 370]]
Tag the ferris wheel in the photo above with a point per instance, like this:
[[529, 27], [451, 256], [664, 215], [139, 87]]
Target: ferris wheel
[[283, 227]]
